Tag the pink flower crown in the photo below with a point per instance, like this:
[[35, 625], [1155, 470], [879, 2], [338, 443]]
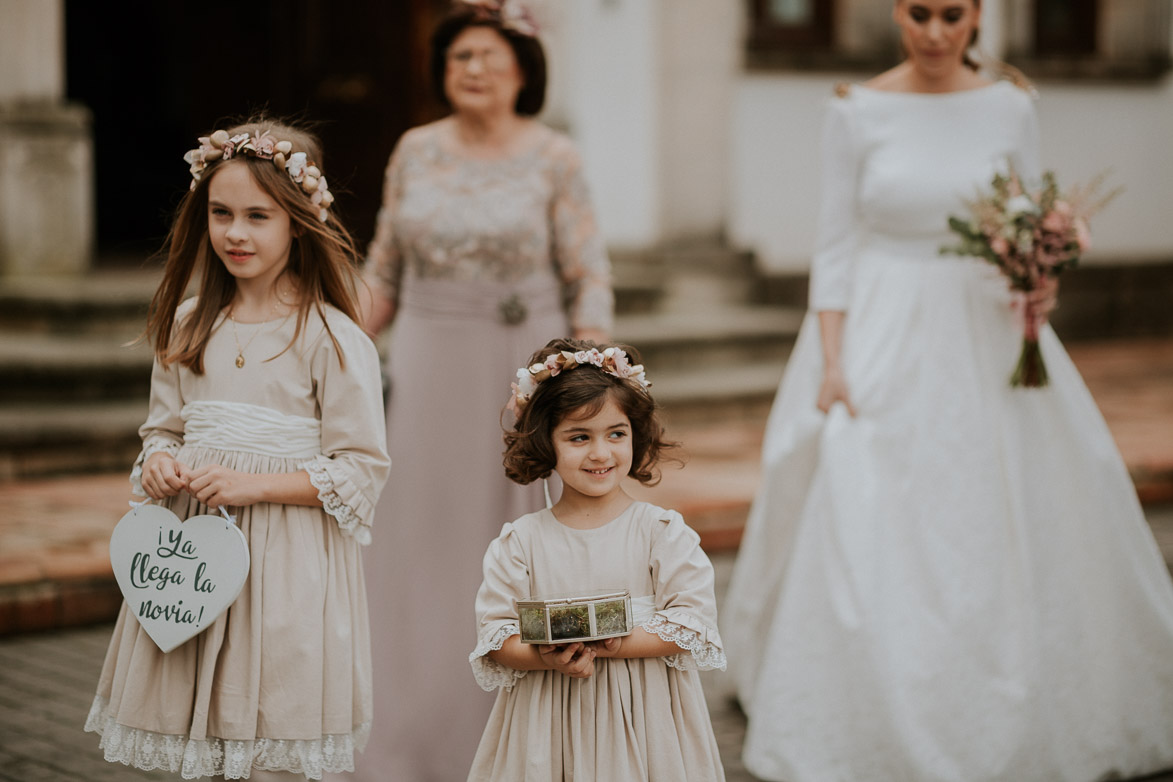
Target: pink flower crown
[[303, 172], [512, 14], [612, 360]]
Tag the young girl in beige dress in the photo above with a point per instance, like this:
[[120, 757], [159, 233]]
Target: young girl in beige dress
[[626, 708], [265, 398]]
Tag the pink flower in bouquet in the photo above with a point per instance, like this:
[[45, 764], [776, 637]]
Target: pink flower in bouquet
[[1000, 246], [1058, 220]]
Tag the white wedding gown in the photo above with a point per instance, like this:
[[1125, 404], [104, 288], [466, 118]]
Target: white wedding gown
[[957, 584]]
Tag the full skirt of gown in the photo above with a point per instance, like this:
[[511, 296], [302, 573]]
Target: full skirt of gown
[[958, 583]]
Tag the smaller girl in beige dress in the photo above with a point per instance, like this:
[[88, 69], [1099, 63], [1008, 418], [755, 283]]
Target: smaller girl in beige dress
[[266, 399], [626, 708]]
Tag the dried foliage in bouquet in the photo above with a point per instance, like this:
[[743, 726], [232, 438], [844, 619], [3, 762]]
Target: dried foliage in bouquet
[[1031, 235]]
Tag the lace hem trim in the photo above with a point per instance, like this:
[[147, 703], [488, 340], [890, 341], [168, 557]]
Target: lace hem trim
[[192, 759], [489, 673], [348, 520], [152, 445], [703, 655]]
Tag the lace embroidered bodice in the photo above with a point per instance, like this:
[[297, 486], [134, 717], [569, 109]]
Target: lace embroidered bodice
[[458, 218]]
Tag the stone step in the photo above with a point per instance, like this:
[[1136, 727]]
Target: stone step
[[73, 393], [115, 302], [43, 367], [718, 336], [55, 439], [99, 303], [711, 394]]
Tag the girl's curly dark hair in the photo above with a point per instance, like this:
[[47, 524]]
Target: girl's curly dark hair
[[582, 391]]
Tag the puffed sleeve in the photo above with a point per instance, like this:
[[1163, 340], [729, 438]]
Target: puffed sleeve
[[506, 579], [833, 264], [350, 471], [163, 429], [686, 603], [578, 248], [384, 262], [1026, 156]]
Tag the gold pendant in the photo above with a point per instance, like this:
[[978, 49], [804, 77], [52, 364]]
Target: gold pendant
[[239, 360]]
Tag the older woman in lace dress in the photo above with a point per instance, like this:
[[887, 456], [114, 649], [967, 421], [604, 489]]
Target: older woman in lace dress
[[486, 245]]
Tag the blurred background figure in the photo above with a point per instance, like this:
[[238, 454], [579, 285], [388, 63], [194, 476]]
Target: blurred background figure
[[942, 577], [486, 244]]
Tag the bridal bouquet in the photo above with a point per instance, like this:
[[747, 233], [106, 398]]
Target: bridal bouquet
[[1031, 235]]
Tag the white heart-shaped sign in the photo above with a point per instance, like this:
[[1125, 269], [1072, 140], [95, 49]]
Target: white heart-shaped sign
[[177, 577]]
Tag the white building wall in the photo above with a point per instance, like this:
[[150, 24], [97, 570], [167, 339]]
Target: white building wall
[[700, 62], [1087, 128], [679, 141], [604, 90]]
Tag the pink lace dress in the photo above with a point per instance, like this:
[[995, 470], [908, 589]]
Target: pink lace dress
[[486, 261]]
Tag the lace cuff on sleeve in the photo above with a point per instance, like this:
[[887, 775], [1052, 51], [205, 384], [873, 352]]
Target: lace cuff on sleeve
[[341, 498], [701, 645], [489, 673], [152, 444]]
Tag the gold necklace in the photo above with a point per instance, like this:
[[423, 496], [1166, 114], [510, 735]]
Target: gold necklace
[[240, 350]]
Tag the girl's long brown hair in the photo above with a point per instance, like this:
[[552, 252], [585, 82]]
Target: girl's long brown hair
[[322, 256]]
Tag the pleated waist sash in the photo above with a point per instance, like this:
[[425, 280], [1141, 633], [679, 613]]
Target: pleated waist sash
[[237, 426]]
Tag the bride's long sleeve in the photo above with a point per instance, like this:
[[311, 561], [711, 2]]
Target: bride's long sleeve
[[833, 264]]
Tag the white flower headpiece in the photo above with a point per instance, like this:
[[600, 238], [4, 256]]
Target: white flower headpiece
[[303, 172], [612, 360], [513, 15]]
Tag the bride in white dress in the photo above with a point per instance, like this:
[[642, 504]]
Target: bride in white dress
[[942, 578]]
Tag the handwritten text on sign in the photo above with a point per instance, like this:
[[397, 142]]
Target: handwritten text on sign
[[177, 577]]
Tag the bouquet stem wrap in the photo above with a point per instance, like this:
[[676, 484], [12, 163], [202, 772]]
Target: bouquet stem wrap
[[1031, 371]]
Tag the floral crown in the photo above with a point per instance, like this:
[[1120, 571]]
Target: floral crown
[[512, 14], [612, 360], [303, 172]]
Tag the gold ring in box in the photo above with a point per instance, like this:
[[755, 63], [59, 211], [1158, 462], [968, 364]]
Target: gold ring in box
[[566, 619]]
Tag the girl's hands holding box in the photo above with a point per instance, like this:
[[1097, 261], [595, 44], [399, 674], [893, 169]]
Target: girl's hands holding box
[[576, 660]]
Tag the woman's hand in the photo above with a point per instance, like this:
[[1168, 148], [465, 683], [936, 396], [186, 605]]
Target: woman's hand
[[834, 389], [215, 485], [163, 476], [576, 660], [375, 311], [1042, 301]]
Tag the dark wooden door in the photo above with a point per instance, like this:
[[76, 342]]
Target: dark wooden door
[[158, 74]]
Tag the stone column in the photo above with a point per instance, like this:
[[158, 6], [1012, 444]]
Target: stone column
[[46, 148]]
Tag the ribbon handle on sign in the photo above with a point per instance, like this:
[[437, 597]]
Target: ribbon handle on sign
[[228, 517]]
